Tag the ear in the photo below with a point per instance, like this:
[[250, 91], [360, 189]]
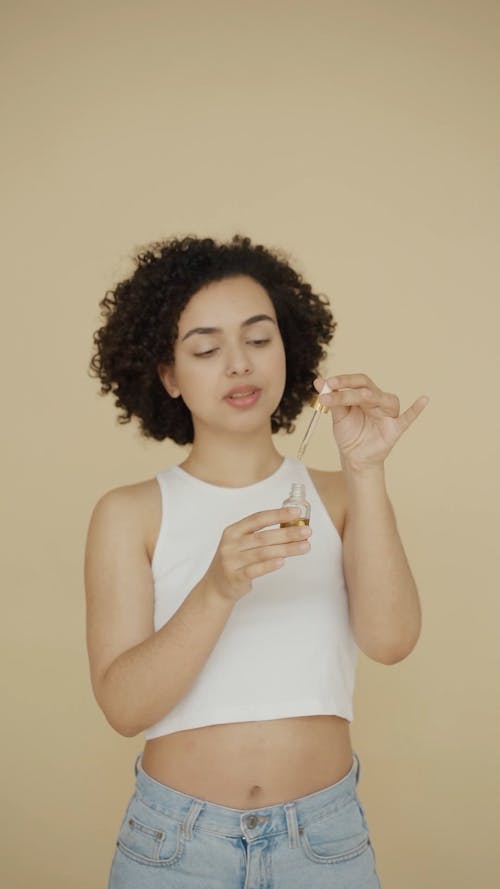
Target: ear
[[167, 378]]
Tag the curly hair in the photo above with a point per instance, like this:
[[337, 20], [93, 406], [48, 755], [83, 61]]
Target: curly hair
[[141, 325]]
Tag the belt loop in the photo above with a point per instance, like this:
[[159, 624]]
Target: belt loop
[[191, 818], [292, 825], [358, 766], [135, 763]]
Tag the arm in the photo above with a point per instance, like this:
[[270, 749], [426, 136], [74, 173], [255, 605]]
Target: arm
[[137, 674], [383, 598]]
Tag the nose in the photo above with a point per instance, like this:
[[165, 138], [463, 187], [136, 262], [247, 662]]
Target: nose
[[238, 363]]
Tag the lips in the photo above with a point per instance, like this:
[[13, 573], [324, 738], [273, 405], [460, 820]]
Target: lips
[[242, 397], [241, 391]]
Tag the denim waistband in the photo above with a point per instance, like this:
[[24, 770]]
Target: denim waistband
[[249, 823]]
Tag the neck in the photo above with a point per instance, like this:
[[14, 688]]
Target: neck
[[243, 460]]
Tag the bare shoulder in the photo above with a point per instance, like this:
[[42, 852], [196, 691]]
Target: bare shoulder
[[331, 487], [136, 506]]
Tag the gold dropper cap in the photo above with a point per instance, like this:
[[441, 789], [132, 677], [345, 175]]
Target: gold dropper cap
[[317, 406]]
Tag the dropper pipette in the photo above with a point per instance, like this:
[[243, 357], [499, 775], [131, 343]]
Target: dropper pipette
[[318, 410]]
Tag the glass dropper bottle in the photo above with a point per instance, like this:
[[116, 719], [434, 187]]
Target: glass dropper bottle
[[318, 410], [297, 498]]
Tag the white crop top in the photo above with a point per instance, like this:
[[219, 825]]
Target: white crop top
[[287, 648]]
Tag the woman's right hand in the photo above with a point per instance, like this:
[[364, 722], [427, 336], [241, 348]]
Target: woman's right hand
[[245, 551]]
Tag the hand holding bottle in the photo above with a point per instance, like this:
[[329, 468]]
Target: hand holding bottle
[[246, 551]]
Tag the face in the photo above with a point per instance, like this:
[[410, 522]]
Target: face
[[229, 359]]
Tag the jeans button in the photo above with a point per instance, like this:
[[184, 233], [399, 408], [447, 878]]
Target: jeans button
[[251, 821]]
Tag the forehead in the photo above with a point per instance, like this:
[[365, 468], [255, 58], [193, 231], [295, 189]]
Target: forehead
[[222, 303]]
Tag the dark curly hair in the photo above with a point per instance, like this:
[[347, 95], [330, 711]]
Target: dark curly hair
[[141, 324]]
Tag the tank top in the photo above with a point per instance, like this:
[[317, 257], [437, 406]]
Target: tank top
[[287, 648]]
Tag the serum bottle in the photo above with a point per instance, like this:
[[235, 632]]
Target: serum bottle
[[297, 498]]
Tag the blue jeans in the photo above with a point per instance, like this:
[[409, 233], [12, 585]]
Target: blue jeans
[[168, 840]]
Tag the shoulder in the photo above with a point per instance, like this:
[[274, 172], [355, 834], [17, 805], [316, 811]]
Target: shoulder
[[331, 487], [135, 508]]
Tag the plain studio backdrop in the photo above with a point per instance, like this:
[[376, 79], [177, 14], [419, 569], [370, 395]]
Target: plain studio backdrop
[[363, 139]]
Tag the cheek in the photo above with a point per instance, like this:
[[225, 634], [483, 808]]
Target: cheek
[[279, 360], [195, 382], [277, 370], [191, 371], [190, 381]]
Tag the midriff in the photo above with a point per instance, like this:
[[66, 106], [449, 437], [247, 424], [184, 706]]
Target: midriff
[[248, 765]]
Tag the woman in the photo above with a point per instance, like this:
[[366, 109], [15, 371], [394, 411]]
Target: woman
[[216, 626]]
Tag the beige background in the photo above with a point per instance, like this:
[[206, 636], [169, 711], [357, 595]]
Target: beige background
[[363, 138]]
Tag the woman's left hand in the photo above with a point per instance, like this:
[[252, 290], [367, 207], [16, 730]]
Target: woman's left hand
[[366, 421]]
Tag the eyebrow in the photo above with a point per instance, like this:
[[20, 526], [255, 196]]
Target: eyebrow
[[252, 320]]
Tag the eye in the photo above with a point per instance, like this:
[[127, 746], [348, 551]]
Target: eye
[[204, 354], [259, 342]]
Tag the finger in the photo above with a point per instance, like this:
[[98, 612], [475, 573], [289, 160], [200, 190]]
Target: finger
[[350, 397], [351, 381], [390, 404], [410, 415], [278, 551], [387, 403], [319, 383], [250, 572], [264, 518], [278, 535]]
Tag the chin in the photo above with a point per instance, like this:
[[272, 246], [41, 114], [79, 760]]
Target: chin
[[249, 424]]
